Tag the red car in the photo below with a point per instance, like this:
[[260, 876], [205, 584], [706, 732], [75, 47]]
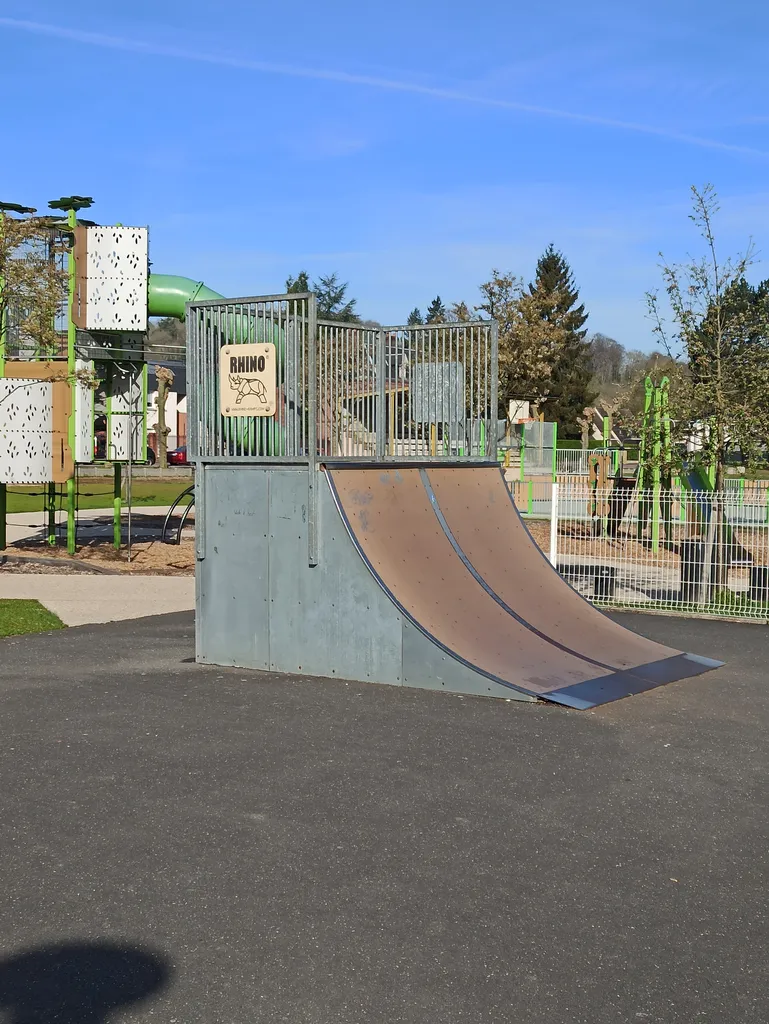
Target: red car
[[178, 457]]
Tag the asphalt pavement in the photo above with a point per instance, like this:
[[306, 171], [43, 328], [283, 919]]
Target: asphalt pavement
[[183, 843]]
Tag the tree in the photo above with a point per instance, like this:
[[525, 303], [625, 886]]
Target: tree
[[719, 339], [459, 313], [330, 294], [167, 339], [720, 333], [557, 296], [165, 379], [415, 317], [300, 283], [529, 343], [33, 283], [606, 357], [333, 303], [436, 312]]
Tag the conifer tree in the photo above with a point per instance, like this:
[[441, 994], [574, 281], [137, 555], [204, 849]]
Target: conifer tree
[[436, 312], [569, 390]]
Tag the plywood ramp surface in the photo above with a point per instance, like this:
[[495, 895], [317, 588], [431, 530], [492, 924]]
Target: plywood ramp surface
[[486, 526], [396, 522]]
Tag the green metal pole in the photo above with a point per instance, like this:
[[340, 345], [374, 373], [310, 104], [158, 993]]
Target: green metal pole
[[3, 492], [71, 357], [656, 470], [51, 501], [643, 452], [530, 497], [3, 321], [116, 506]]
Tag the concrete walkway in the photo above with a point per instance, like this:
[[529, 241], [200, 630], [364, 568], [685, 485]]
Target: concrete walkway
[[80, 599]]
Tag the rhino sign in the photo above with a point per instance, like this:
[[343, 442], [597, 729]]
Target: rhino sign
[[247, 380], [246, 386]]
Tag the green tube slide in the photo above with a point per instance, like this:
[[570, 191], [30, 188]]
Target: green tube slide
[[168, 295]]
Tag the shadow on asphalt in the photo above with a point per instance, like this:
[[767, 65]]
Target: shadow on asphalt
[[78, 983]]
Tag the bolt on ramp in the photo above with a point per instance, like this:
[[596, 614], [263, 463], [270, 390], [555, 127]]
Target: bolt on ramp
[[451, 551]]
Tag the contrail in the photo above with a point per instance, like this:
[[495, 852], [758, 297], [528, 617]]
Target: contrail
[[368, 81]]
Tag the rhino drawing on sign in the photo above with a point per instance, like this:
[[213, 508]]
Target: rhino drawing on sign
[[246, 386]]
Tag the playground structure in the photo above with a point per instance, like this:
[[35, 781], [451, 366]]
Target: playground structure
[[359, 525], [659, 475], [613, 483], [47, 398]]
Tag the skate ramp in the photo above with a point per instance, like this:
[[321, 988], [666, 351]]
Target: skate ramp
[[478, 514], [396, 521]]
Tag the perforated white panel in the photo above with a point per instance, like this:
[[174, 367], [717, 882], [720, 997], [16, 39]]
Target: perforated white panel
[[126, 389], [26, 427], [126, 406], [119, 439], [116, 269], [83, 417]]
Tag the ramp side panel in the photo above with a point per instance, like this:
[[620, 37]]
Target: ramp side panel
[[393, 523], [232, 620], [479, 511], [332, 619]]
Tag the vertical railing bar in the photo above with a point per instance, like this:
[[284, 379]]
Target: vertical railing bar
[[312, 439], [440, 385], [471, 426], [464, 391], [494, 378], [192, 377], [481, 414], [424, 394], [215, 344], [453, 406]]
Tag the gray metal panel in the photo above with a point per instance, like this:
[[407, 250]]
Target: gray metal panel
[[437, 392], [232, 623], [427, 667], [332, 619]]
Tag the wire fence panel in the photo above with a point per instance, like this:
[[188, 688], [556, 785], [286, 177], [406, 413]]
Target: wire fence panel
[[345, 390], [348, 396], [698, 552], [288, 322], [572, 462], [408, 393]]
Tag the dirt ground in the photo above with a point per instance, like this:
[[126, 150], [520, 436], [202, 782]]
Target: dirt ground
[[155, 558], [148, 558], [575, 539]]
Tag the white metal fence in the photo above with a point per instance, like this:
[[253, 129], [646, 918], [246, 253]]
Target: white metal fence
[[572, 461], [683, 551]]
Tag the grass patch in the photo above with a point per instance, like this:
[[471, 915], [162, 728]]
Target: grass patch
[[18, 617], [97, 493]]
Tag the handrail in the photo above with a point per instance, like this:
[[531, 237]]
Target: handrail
[[166, 522]]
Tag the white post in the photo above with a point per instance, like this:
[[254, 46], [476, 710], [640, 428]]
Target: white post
[[554, 525]]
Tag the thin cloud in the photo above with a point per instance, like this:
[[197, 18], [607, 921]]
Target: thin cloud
[[149, 48]]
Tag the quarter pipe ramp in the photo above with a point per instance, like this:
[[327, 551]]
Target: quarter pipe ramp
[[448, 548]]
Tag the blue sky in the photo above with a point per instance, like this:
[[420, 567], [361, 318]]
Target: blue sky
[[409, 145]]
